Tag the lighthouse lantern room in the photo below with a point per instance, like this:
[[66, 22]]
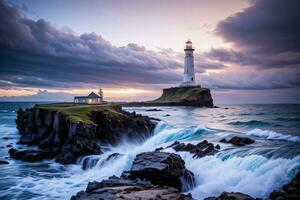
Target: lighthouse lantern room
[[189, 72]]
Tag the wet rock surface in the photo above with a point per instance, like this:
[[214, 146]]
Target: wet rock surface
[[162, 168], [3, 162], [153, 175], [133, 189], [290, 191], [30, 155], [231, 196], [53, 131], [154, 110], [238, 141], [199, 150]]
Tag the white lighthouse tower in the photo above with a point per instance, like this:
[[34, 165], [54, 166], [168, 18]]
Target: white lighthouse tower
[[189, 72]]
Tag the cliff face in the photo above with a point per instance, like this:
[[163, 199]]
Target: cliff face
[[69, 132]]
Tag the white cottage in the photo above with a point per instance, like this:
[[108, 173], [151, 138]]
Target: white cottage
[[92, 98]]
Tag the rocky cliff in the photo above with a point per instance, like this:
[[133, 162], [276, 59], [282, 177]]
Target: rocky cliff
[[180, 96], [66, 131]]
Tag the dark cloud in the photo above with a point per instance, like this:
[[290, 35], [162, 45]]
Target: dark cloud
[[269, 26], [265, 51], [35, 53], [248, 79], [265, 35]]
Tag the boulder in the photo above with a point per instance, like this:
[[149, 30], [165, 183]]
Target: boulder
[[199, 150], [3, 162], [162, 168], [238, 141], [30, 155], [133, 189], [290, 191], [231, 196]]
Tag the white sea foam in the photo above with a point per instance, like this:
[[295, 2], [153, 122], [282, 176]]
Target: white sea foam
[[272, 135], [254, 174]]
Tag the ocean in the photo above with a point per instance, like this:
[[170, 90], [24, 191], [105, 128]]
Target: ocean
[[256, 169]]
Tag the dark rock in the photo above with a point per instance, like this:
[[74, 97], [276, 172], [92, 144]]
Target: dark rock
[[5, 138], [133, 189], [238, 141], [290, 191], [223, 140], [173, 144], [199, 150], [130, 126], [167, 115], [66, 158], [53, 131], [154, 109], [226, 108], [114, 156], [162, 168], [154, 119], [30, 155], [231, 196], [218, 147], [9, 145], [3, 162], [159, 149]]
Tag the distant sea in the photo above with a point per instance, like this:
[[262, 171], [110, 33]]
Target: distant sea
[[256, 169]]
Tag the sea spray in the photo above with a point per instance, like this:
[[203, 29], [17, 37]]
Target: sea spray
[[272, 135], [254, 175]]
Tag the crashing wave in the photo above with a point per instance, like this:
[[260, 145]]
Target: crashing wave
[[272, 135]]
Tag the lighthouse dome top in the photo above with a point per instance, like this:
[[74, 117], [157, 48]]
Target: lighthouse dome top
[[189, 45]]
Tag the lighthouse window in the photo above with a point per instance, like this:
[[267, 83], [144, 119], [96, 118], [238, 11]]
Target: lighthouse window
[[192, 78]]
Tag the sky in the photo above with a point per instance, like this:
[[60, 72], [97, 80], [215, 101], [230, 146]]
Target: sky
[[246, 51]]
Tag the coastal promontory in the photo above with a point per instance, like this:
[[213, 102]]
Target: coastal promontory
[[180, 96], [67, 131]]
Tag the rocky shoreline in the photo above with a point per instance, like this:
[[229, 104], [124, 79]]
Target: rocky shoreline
[[65, 133]]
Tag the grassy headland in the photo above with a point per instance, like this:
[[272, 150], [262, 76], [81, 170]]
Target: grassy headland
[[82, 113]]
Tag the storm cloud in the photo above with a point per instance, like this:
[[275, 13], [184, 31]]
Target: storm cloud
[[36, 53], [267, 35], [265, 47], [268, 26]]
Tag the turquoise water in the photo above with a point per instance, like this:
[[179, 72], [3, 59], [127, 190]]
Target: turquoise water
[[256, 169]]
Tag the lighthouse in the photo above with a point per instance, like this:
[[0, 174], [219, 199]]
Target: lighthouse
[[189, 72]]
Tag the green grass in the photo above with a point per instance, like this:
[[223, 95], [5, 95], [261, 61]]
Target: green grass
[[81, 113]]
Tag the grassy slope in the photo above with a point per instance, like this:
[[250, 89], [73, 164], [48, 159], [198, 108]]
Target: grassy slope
[[80, 113], [180, 95]]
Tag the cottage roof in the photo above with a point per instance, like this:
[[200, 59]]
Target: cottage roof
[[93, 95], [77, 97]]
